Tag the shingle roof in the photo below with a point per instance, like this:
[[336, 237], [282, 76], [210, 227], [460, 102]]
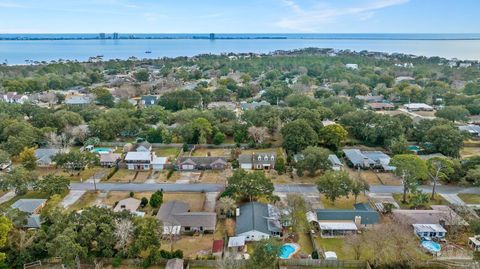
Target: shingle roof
[[170, 208], [368, 215], [334, 160], [138, 156], [253, 216], [176, 213], [202, 161], [129, 204], [109, 157], [45, 155], [28, 205]]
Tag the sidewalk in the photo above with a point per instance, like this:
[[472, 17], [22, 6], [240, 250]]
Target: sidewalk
[[7, 197], [453, 199]]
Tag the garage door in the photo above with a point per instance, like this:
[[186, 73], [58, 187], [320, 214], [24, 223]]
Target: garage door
[[188, 166]]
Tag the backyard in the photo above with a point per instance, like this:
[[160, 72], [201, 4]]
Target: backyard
[[202, 152], [171, 153]]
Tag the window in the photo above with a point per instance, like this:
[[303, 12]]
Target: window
[[265, 158], [259, 158], [272, 158]]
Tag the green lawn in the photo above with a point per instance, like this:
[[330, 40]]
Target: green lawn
[[85, 201], [305, 243], [171, 153], [470, 198], [438, 200], [335, 245], [343, 202]]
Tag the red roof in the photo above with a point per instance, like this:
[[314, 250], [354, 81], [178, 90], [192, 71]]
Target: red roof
[[217, 246]]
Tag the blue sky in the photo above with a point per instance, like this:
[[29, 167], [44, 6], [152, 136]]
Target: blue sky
[[239, 16]]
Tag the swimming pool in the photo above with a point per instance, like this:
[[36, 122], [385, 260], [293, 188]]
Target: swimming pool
[[431, 246], [102, 150], [287, 250]]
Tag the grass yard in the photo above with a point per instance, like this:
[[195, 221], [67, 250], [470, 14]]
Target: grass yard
[[369, 176], [162, 176], [470, 198], [85, 201], [438, 200], [142, 176], [305, 243], [202, 152], [343, 202], [194, 199], [466, 152], [123, 175], [335, 245], [214, 176], [192, 246], [171, 153], [77, 176]]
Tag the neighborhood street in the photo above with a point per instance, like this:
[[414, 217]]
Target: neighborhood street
[[287, 188]]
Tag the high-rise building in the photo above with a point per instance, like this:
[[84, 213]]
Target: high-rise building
[[101, 35], [115, 35]]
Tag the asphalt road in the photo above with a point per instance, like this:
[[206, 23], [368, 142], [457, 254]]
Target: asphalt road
[[288, 188]]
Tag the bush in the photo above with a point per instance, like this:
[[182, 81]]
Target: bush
[[144, 202], [170, 173], [219, 138], [131, 194], [157, 199], [116, 262], [177, 254]]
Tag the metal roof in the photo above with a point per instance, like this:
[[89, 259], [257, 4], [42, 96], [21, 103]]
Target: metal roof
[[367, 214], [28, 205]]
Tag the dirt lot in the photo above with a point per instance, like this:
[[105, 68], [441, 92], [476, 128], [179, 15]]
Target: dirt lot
[[192, 246], [213, 152], [374, 178], [469, 152]]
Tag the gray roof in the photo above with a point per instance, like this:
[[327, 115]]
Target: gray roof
[[361, 158], [78, 100], [33, 221], [176, 213], [201, 161], [168, 209], [28, 205], [256, 216], [334, 160], [45, 155], [471, 128], [368, 215], [149, 100], [258, 158]]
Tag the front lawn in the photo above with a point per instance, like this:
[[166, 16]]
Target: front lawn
[[470, 198], [438, 200], [342, 202], [85, 201]]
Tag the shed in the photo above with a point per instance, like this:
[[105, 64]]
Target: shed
[[174, 264]]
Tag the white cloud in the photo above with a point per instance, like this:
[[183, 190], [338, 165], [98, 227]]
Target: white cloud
[[312, 18]]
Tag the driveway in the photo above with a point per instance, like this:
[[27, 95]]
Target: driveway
[[72, 198]]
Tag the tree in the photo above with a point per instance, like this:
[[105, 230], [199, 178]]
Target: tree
[[258, 134], [123, 234], [398, 145], [4, 157], [66, 248], [265, 255], [157, 199], [418, 198], [334, 184], [103, 97], [359, 186], [204, 129], [28, 159], [411, 169], [355, 243], [18, 179], [445, 139], [147, 233], [142, 75], [226, 206], [294, 213], [453, 113], [52, 184], [179, 100], [280, 165], [332, 136], [249, 185], [5, 227], [75, 160], [218, 138], [314, 159], [439, 169], [297, 135]]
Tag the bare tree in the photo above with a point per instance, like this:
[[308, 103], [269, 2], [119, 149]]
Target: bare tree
[[226, 206], [228, 262], [258, 134], [123, 233], [355, 244], [59, 141]]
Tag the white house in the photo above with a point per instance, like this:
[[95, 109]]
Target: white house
[[14, 97], [138, 160], [429, 230], [418, 107], [158, 163]]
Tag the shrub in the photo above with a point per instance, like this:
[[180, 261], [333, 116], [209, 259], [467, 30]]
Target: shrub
[[131, 194], [144, 202], [157, 199]]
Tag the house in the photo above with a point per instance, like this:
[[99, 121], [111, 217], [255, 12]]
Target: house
[[472, 129], [352, 66], [368, 159], [142, 147], [340, 222], [202, 163], [15, 98], [253, 105], [258, 161], [337, 165], [417, 107], [45, 155], [109, 159], [159, 163], [176, 214], [138, 160], [435, 231], [257, 221], [129, 204], [371, 98], [380, 106], [439, 214], [474, 243], [148, 100], [225, 105], [32, 207], [79, 100]]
